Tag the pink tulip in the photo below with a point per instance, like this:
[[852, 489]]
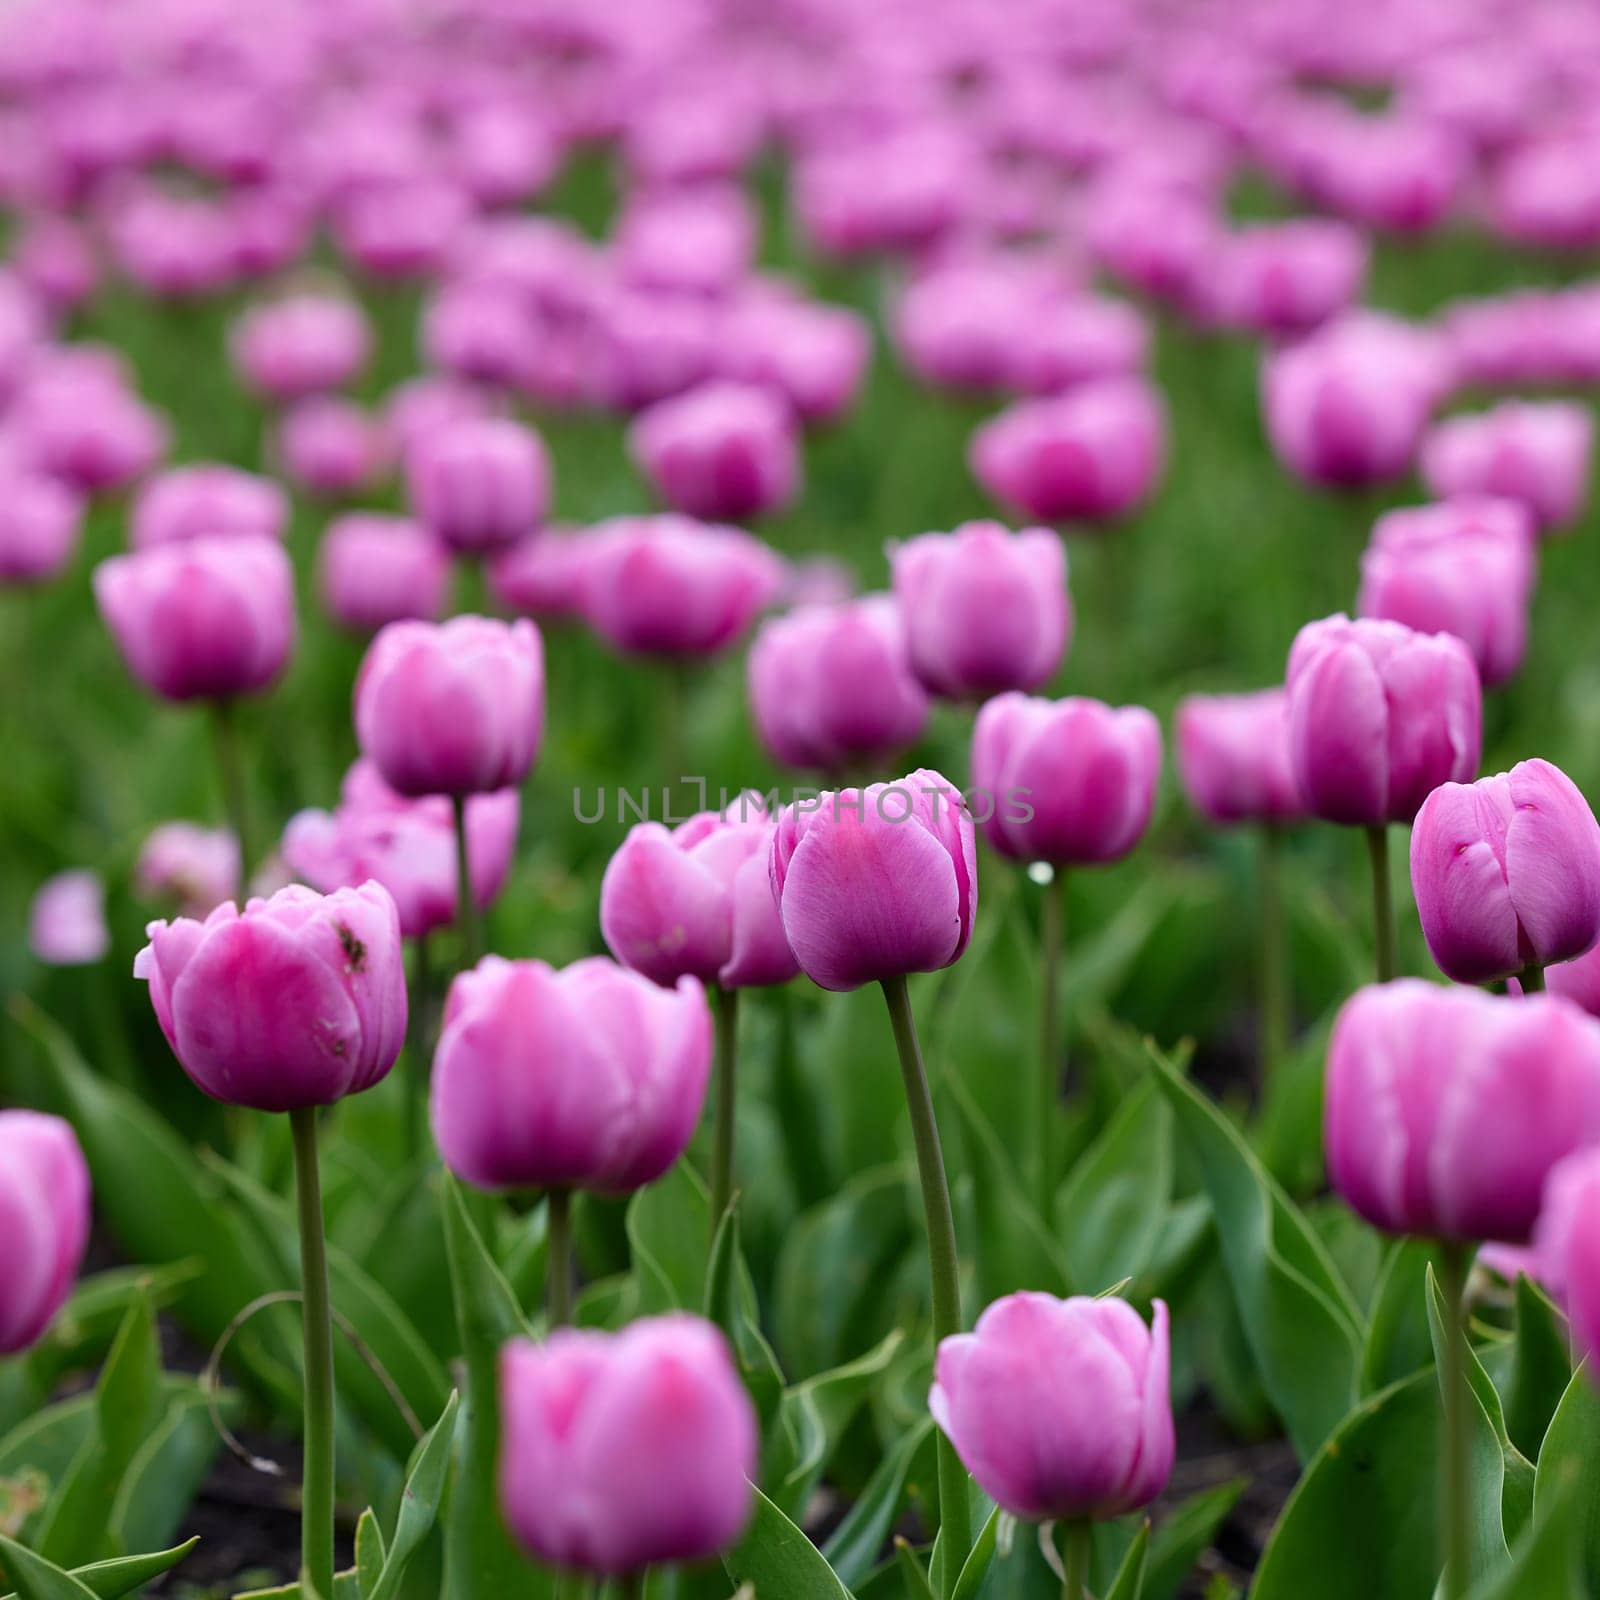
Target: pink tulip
[[815, 355], [589, 1077], [332, 446], [452, 708], [1538, 453], [1567, 1248], [305, 344], [720, 451], [503, 152], [420, 408], [405, 227], [208, 619], [830, 686], [984, 609], [619, 1451], [1379, 717], [24, 328], [205, 502], [1067, 781], [1578, 980], [78, 422], [55, 259], [698, 240], [878, 882], [1446, 1108], [542, 576], [1060, 1409], [196, 867], [1286, 278], [480, 332], [1506, 873], [67, 920], [1081, 340], [1547, 193], [668, 585], [647, 345], [1233, 757], [296, 1001], [374, 568], [480, 484], [44, 1223], [1464, 567], [40, 524], [1090, 455]]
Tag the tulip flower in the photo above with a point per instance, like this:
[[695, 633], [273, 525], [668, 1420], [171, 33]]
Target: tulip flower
[[1379, 717], [194, 866], [1082, 340], [207, 502], [985, 610], [1540, 454], [1506, 873], [67, 920], [333, 447], [831, 686], [873, 884], [79, 423], [621, 1451], [542, 576], [1287, 278], [291, 1004], [1577, 980], [374, 569], [815, 355], [44, 1223], [697, 241], [302, 345], [1567, 1250], [40, 524], [1464, 567], [480, 484]]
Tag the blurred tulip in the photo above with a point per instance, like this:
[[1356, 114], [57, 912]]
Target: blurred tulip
[[1082, 340], [480, 484], [402, 228], [1233, 757], [204, 502], [54, 257], [77, 422], [542, 576], [815, 355], [421, 408], [44, 1223], [1537, 453], [305, 344], [1567, 1249], [333, 447], [67, 920], [1286, 278], [374, 568], [480, 332], [700, 240], [40, 525], [196, 867]]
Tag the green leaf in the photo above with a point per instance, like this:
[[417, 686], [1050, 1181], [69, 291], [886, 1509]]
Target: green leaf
[[976, 1567], [669, 1229], [1545, 1565], [419, 1507], [730, 1302], [1299, 1319], [1399, 1339], [36, 1577], [370, 1552], [1184, 1533], [778, 1559], [859, 1085], [111, 1580], [1541, 1367], [1571, 1454], [168, 1470], [1129, 1581], [911, 1569], [852, 1548]]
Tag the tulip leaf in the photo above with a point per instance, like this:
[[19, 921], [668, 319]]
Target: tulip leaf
[[168, 1470], [1297, 1315], [730, 1302], [111, 1580], [1129, 1581], [976, 1567], [369, 1543], [37, 1577], [859, 1083], [419, 1510], [1541, 1367], [777, 1559], [1571, 1453], [852, 1548], [911, 1569], [1185, 1531], [669, 1232], [1546, 1563], [1399, 1338]]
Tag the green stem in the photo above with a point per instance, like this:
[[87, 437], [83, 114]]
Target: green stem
[[1076, 1583], [726, 1003], [955, 1520], [316, 1495], [1382, 900], [1273, 1001], [468, 917], [1532, 979], [558, 1257], [417, 1048], [631, 1586], [1454, 1261], [1052, 925], [235, 792]]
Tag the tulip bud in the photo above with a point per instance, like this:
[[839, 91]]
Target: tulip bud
[[1060, 1409], [332, 447], [1066, 781], [296, 1001], [590, 1077], [208, 619], [196, 867], [1464, 567], [878, 882], [480, 484], [1578, 980], [625, 1450], [374, 569], [1233, 757], [1285, 278], [44, 1223], [206, 502], [1506, 873], [1379, 717], [814, 355], [542, 576], [302, 345], [1567, 1246], [40, 522], [78, 422], [67, 920], [1537, 453], [984, 609], [1446, 1108], [454, 707]]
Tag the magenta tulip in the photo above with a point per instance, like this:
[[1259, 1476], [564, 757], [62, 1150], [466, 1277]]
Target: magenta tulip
[[1537, 453], [1567, 1246], [1060, 1409], [296, 1001], [1233, 757], [590, 1077], [198, 868], [44, 1223], [333, 447], [302, 345], [815, 355], [542, 576], [480, 484], [78, 422], [374, 568], [67, 920], [40, 524], [1578, 980], [1286, 278], [210, 501]]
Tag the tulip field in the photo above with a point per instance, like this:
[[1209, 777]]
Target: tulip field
[[797, 800]]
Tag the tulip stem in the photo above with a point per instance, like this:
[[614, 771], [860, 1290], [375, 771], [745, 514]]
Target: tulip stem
[[235, 792], [1052, 932], [1273, 1000], [316, 1493], [468, 916], [558, 1257], [726, 1004], [1382, 900], [1454, 1261], [1532, 977], [417, 1049], [955, 1519], [1075, 1585]]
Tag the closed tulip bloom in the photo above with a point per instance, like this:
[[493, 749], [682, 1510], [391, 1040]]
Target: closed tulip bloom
[[1233, 757], [1537, 452], [542, 576], [302, 345], [210, 501], [78, 423], [1567, 1246], [452, 708], [194, 866], [333, 447], [1506, 873], [1068, 781], [44, 1223], [831, 686], [815, 355], [209, 619], [1379, 717], [1464, 567], [1083, 339], [296, 1001], [590, 1077], [40, 523], [1285, 278], [419, 409], [480, 484], [697, 899], [1578, 980], [374, 568], [721, 451], [624, 1450], [67, 920], [409, 846], [1446, 1107], [878, 882], [1090, 455], [1060, 1409], [671, 586], [985, 609]]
